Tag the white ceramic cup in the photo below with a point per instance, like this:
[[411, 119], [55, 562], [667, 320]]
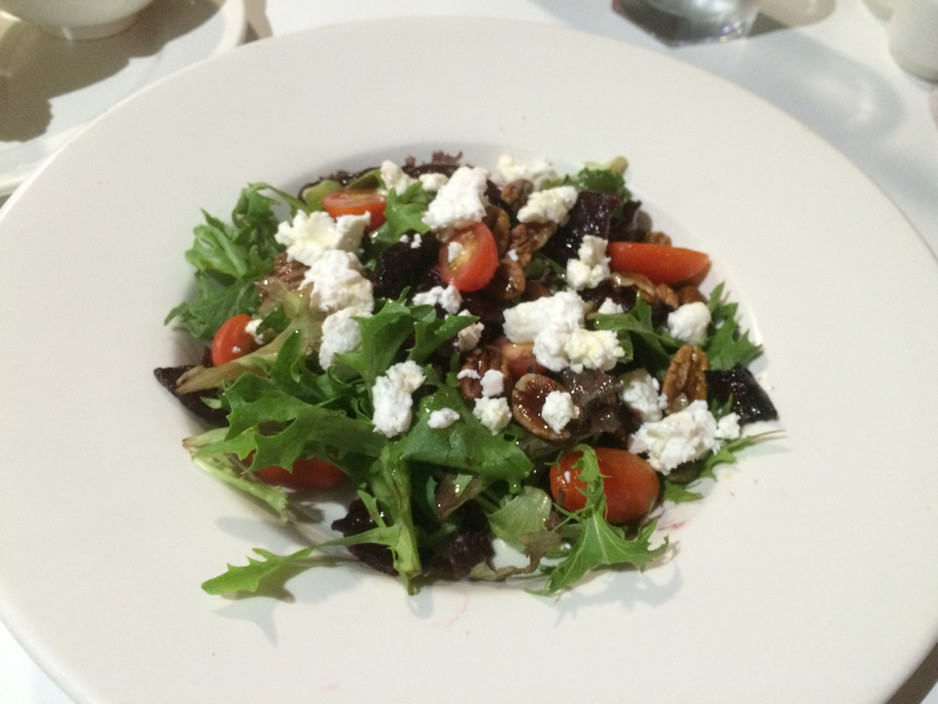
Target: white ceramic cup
[[690, 21], [77, 19], [913, 36]]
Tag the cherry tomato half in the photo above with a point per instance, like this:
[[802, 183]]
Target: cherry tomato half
[[353, 201], [232, 340], [469, 259], [661, 263], [629, 483], [312, 473]]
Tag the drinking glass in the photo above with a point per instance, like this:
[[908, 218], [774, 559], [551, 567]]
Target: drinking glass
[[678, 22]]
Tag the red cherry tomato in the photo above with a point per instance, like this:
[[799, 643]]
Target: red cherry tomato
[[313, 473], [232, 340], [661, 263], [629, 483], [354, 201], [469, 259]]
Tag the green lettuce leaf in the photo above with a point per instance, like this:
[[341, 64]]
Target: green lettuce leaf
[[228, 259]]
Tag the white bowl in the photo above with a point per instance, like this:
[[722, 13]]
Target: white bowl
[[77, 19]]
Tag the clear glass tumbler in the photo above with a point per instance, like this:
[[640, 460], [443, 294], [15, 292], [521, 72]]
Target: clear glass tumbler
[[690, 21]]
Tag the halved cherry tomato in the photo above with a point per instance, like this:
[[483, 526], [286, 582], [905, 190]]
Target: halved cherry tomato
[[354, 201], [629, 482], [661, 263], [469, 259], [232, 340], [312, 473]]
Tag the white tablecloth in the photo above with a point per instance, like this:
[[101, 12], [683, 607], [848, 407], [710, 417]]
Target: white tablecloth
[[825, 63]]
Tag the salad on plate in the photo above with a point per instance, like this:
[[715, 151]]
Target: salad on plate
[[499, 373]]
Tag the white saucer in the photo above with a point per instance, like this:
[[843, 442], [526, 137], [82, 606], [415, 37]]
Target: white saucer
[[50, 88]]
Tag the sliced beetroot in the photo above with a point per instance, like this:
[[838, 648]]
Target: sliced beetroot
[[750, 401]]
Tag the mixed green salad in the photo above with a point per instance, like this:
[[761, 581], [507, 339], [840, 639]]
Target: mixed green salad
[[466, 357]]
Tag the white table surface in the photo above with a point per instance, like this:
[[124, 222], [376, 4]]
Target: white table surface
[[825, 62]]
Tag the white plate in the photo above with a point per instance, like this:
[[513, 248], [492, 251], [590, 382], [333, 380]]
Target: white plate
[[809, 573], [51, 88]]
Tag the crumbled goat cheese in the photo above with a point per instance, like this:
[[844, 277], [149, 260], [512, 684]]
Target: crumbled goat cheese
[[251, 329], [453, 250], [538, 171], [493, 383], [459, 202], [591, 267], [549, 348], [559, 409], [394, 177], [470, 335], [565, 310], [433, 182], [689, 322], [676, 438], [415, 241], [308, 235], [610, 307], [336, 281], [641, 393], [728, 427], [555, 325], [468, 374], [392, 396], [493, 413], [549, 205], [592, 349], [448, 298], [340, 334], [443, 418]]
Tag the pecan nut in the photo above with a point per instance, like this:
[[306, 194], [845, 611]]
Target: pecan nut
[[527, 406], [652, 293], [685, 381], [476, 364]]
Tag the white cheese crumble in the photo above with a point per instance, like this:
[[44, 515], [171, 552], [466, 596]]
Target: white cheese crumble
[[459, 202], [336, 282], [448, 298], [392, 396], [433, 182], [682, 436], [555, 325], [610, 307], [565, 310], [493, 412], [340, 334], [470, 335], [641, 393], [538, 171], [251, 329], [394, 177], [591, 267], [549, 205], [592, 349], [493, 383], [468, 374], [689, 322], [559, 409], [308, 235], [453, 250], [442, 418]]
